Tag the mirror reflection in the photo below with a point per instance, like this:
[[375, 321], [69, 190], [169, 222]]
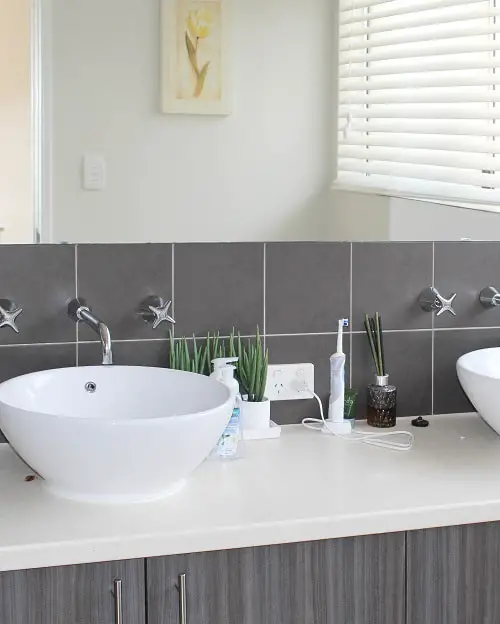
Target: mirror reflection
[[229, 120]]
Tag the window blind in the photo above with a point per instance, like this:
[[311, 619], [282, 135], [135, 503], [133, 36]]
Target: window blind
[[419, 99]]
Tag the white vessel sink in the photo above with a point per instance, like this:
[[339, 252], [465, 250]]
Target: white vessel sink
[[479, 374], [135, 438]]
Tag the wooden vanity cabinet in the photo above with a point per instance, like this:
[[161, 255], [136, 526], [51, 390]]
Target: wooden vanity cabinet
[[453, 575], [436, 576], [78, 594], [347, 581]]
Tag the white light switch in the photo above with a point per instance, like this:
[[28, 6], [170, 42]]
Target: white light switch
[[94, 172]]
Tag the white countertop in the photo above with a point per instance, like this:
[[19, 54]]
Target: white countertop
[[303, 486]]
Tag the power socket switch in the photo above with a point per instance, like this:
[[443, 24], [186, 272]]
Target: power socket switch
[[289, 382], [93, 172]]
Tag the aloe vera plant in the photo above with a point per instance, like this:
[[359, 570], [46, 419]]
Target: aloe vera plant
[[187, 355], [253, 362]]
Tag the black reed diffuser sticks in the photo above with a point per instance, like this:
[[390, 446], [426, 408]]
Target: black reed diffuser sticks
[[373, 328]]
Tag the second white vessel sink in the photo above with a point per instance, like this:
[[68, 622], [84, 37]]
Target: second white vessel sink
[[479, 374], [113, 433]]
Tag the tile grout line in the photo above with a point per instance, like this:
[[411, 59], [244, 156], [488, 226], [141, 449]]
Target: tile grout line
[[350, 317], [77, 332], [38, 344], [433, 335], [302, 335], [264, 285], [189, 338], [129, 340], [477, 328]]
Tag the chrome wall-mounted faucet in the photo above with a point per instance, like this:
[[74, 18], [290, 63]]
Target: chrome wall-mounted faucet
[[9, 311], [431, 301], [490, 297], [79, 311], [155, 310]]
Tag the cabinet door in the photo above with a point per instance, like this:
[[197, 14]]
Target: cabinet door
[[349, 581], [361, 580], [454, 574], [80, 594], [266, 585]]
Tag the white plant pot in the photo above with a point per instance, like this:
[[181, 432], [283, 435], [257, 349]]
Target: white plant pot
[[255, 415]]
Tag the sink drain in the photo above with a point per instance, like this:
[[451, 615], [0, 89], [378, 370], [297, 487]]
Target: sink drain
[[90, 386]]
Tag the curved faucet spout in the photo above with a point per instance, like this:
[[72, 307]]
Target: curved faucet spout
[[105, 336], [79, 311]]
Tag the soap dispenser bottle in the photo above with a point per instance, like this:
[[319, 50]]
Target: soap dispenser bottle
[[222, 368], [229, 444]]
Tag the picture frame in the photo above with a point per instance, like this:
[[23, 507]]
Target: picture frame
[[195, 64]]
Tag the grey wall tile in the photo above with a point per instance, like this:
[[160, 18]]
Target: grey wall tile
[[15, 361], [134, 353], [307, 287], [409, 363], [217, 287], [466, 268], [449, 345], [304, 349], [40, 279], [116, 278], [388, 278]]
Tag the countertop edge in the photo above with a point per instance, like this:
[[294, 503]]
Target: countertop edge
[[62, 554]]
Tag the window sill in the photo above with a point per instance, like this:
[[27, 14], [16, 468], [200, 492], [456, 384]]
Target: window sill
[[454, 203]]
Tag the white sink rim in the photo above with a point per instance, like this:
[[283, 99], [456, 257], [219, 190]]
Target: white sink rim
[[474, 363], [479, 375], [10, 386]]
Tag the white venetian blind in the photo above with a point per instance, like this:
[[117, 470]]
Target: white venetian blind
[[419, 98]]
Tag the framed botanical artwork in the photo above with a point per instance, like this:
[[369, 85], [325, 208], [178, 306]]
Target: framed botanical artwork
[[195, 51]]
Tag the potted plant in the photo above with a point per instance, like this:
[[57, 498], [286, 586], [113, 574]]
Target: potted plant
[[251, 370]]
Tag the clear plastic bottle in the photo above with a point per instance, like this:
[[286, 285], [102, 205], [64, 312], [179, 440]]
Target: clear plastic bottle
[[229, 445]]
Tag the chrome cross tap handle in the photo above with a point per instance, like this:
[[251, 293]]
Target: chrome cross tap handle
[[431, 301], [490, 297], [155, 310], [9, 312]]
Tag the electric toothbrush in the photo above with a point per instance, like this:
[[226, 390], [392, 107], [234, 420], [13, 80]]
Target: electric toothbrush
[[335, 422]]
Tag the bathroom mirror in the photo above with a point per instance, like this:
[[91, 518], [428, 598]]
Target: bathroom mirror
[[89, 156]]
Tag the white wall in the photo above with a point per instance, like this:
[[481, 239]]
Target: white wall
[[16, 213], [366, 217], [262, 173], [412, 220]]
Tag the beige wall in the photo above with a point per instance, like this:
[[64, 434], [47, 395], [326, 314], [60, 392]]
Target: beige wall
[[16, 214]]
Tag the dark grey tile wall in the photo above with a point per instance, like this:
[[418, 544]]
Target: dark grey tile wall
[[294, 292]]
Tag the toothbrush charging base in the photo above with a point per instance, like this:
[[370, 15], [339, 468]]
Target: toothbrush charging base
[[342, 428]]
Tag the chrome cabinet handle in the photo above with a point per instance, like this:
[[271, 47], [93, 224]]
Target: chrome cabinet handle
[[430, 300], [117, 593], [9, 312], [490, 297], [182, 599], [155, 310]]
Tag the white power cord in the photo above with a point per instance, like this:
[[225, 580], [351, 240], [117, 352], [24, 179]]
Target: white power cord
[[374, 439]]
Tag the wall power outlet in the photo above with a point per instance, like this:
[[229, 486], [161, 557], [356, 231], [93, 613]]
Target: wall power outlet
[[288, 382]]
